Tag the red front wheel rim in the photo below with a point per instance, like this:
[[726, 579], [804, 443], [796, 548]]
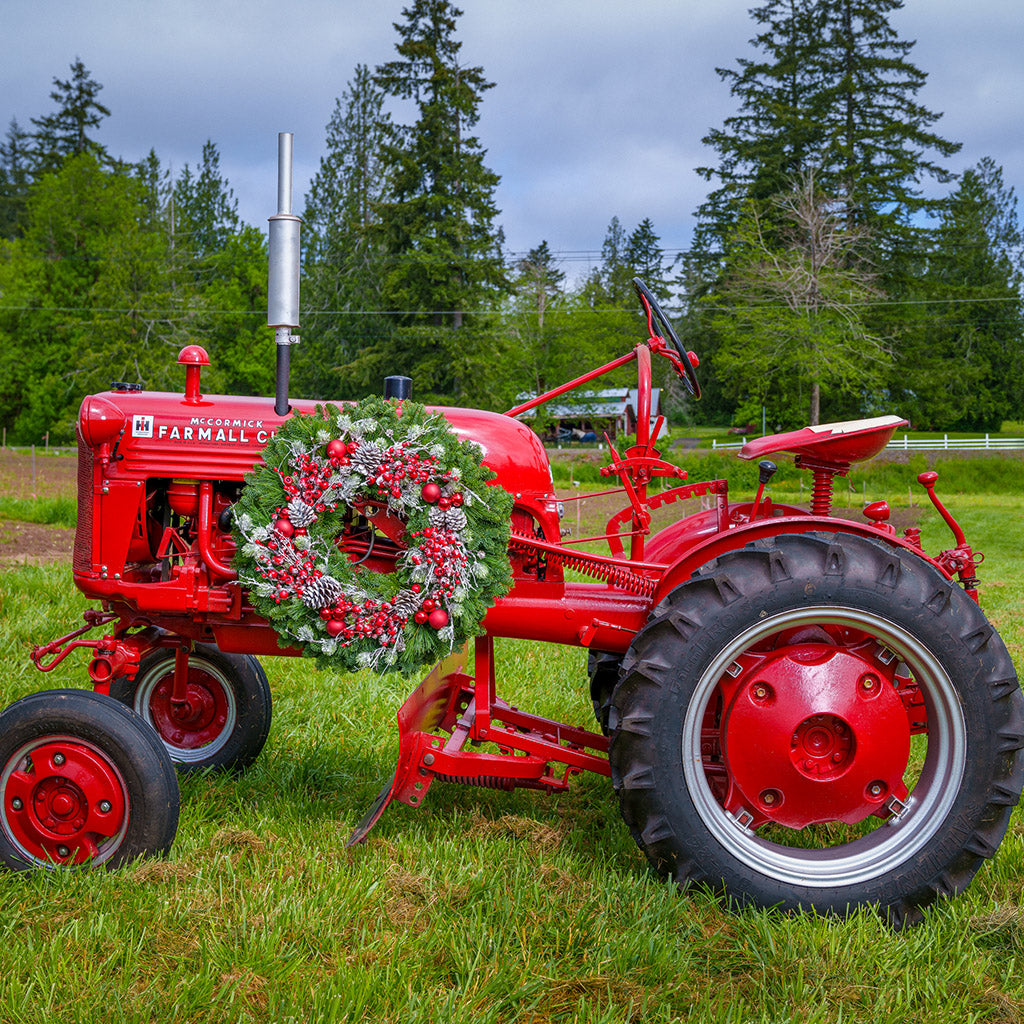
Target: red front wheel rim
[[64, 802]]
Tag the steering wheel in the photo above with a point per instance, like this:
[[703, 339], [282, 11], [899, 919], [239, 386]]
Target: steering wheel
[[684, 364]]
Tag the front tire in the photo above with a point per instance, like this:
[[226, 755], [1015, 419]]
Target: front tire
[[82, 781], [819, 721], [226, 719]]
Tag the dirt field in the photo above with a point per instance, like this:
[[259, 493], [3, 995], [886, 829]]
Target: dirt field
[[45, 476]]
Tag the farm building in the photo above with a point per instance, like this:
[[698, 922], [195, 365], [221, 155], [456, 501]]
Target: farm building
[[593, 414]]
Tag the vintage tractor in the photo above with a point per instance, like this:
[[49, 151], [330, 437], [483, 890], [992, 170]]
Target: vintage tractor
[[794, 708]]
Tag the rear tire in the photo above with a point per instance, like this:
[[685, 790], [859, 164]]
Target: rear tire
[[82, 781], [227, 720], [819, 721]]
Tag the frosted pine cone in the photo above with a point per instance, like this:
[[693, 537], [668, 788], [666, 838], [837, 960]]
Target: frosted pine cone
[[321, 592], [301, 513], [366, 458], [453, 519]]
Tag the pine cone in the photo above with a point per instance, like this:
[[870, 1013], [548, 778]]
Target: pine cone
[[321, 592], [406, 603], [366, 458], [453, 519], [301, 513]]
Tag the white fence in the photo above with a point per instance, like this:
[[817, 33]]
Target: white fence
[[907, 444]]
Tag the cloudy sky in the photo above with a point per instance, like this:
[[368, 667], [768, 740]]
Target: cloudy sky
[[598, 109]]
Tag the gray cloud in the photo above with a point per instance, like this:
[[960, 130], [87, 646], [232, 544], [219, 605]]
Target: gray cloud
[[598, 109]]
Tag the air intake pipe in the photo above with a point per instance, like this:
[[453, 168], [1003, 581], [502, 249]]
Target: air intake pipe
[[283, 278]]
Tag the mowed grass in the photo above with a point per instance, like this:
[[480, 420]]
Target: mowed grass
[[479, 907]]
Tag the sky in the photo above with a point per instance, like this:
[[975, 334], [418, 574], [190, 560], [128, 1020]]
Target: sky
[[598, 109]]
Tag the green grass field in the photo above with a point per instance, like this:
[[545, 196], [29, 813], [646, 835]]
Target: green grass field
[[479, 907]]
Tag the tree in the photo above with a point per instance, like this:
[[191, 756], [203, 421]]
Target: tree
[[345, 260], [437, 225], [646, 260], [832, 90], [205, 211], [961, 364], [537, 295], [67, 131], [787, 315], [14, 179]]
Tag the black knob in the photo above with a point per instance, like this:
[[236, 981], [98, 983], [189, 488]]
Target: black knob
[[767, 470], [397, 387]]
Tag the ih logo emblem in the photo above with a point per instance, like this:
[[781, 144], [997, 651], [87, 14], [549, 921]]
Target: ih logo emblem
[[142, 426]]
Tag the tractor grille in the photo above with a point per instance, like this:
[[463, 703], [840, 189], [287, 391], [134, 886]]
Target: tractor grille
[[81, 559]]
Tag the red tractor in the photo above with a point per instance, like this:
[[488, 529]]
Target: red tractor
[[794, 708]]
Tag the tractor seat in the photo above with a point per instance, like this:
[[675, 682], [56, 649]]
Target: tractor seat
[[837, 444]]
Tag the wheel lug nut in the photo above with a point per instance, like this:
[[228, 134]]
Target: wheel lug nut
[[63, 851], [16, 803], [58, 760], [104, 806]]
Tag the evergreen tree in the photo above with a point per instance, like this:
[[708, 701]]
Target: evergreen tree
[[538, 290], [67, 131], [646, 259], [438, 223], [14, 179], [961, 363], [831, 90], [205, 211], [345, 262], [775, 133], [786, 313]]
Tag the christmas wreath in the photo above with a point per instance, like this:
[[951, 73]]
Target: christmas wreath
[[370, 536]]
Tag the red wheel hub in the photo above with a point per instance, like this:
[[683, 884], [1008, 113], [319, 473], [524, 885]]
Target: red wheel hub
[[813, 733], [64, 801], [198, 720]]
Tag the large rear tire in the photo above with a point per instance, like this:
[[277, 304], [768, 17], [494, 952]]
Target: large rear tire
[[819, 721], [226, 718], [82, 781]]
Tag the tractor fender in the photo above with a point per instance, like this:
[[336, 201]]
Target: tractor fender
[[715, 545]]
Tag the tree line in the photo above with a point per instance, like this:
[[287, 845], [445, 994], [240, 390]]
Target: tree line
[[824, 281]]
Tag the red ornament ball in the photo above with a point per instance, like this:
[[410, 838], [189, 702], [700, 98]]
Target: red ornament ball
[[334, 627], [438, 618], [420, 617], [430, 493], [336, 449], [284, 527]]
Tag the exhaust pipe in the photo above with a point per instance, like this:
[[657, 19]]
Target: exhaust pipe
[[283, 278]]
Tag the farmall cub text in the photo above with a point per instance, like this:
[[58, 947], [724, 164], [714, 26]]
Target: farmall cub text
[[795, 709]]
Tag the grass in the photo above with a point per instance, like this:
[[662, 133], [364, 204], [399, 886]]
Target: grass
[[481, 906], [59, 511]]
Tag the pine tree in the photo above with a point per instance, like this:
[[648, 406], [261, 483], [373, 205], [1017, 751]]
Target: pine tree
[[67, 131], [787, 312], [205, 208], [646, 259], [14, 179], [345, 262], [438, 224], [833, 91], [962, 367]]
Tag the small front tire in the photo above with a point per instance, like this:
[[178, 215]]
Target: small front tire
[[82, 781], [226, 718]]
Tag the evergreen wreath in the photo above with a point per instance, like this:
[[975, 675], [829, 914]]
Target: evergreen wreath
[[325, 478]]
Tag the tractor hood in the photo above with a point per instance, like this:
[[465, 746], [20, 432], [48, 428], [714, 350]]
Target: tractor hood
[[217, 437]]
